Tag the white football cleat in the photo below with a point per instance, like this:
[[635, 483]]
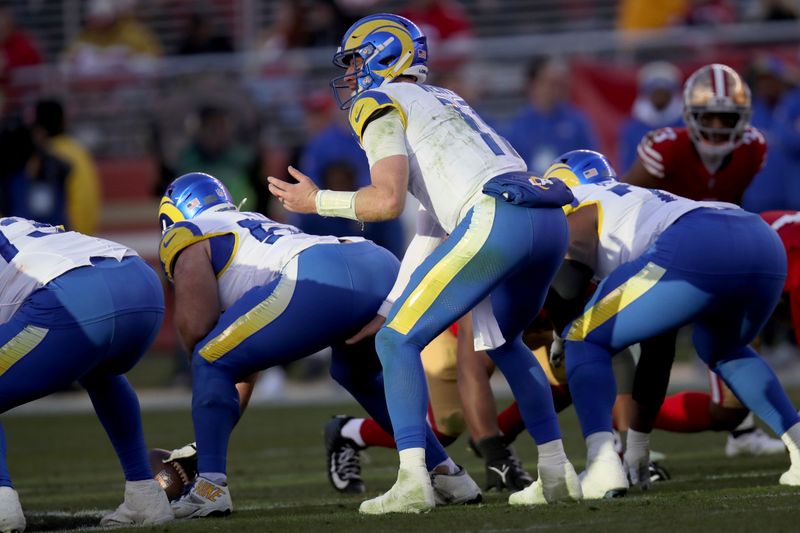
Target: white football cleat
[[754, 442], [555, 483], [604, 477], [11, 517], [412, 493], [791, 477], [205, 499], [455, 489], [145, 503]]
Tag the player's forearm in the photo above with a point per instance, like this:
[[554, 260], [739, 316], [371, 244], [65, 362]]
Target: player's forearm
[[377, 205]]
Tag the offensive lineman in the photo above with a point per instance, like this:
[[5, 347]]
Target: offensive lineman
[[250, 294], [714, 157], [666, 261], [78, 308]]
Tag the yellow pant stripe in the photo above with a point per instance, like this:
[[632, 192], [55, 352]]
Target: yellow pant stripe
[[252, 321], [443, 272], [615, 301], [20, 346]]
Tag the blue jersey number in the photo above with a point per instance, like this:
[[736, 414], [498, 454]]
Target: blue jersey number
[[489, 136], [256, 229], [622, 189], [8, 251]]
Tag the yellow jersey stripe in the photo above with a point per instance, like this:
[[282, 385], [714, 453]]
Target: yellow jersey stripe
[[615, 301], [20, 346], [256, 318], [443, 272]]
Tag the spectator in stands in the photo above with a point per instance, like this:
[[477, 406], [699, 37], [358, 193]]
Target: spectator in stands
[[82, 187], [708, 13], [776, 112], [32, 181], [772, 10], [658, 104], [200, 36], [215, 150], [17, 49], [113, 40], [548, 125], [334, 160]]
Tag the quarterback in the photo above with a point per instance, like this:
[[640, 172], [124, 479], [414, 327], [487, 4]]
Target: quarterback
[[506, 239], [666, 261], [78, 308]]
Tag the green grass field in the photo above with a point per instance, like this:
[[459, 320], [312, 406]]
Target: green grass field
[[67, 475]]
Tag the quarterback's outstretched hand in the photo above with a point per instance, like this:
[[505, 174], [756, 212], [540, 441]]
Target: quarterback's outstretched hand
[[297, 197], [370, 329]]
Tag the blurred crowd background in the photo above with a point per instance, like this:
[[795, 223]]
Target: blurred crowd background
[[105, 101]]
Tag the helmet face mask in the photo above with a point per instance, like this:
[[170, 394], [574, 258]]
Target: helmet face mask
[[190, 195], [717, 109], [376, 50]]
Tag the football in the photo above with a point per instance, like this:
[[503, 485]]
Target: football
[[173, 476]]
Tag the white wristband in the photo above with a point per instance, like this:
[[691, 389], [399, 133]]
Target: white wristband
[[336, 203]]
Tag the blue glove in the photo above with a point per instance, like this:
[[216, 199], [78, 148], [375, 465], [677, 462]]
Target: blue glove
[[520, 188]]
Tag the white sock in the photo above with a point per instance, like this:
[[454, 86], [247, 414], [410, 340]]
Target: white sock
[[748, 423], [552, 453], [352, 430], [217, 478], [791, 438], [412, 458], [638, 444], [600, 444], [450, 465]]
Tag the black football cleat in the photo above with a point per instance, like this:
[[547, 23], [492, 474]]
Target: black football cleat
[[504, 471], [342, 454], [657, 472]]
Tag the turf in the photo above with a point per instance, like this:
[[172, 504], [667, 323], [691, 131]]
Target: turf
[[67, 475]]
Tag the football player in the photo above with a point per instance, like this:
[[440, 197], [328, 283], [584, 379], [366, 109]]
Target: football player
[[473, 187], [787, 224], [714, 157], [78, 308], [244, 286], [665, 262]]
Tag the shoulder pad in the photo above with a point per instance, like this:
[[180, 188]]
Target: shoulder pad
[[365, 107], [182, 235]]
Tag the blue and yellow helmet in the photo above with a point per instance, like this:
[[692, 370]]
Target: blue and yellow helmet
[[190, 195], [388, 45], [580, 167]]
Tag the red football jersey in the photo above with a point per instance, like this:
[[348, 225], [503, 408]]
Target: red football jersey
[[787, 224], [669, 154]]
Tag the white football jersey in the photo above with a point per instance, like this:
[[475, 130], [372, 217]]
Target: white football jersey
[[33, 254], [451, 151], [247, 249], [631, 218]]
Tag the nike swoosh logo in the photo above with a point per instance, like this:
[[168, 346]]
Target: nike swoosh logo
[[358, 116], [340, 483], [166, 243]]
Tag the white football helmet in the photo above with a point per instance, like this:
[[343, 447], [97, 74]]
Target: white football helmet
[[716, 109]]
